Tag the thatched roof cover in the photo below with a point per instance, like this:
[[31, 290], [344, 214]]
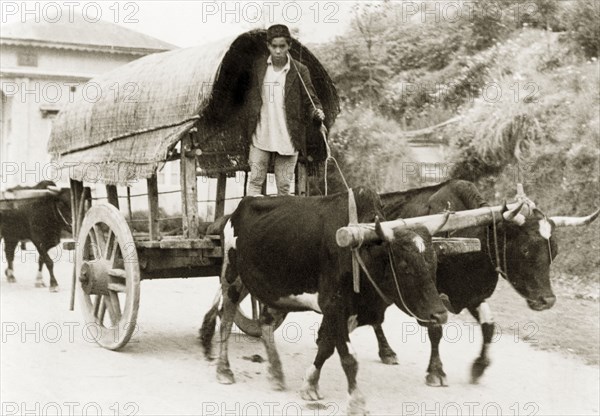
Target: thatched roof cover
[[125, 122]]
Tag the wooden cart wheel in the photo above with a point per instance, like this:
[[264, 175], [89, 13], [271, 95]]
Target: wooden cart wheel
[[248, 315], [108, 281]]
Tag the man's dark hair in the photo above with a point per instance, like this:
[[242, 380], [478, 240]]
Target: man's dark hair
[[279, 31]]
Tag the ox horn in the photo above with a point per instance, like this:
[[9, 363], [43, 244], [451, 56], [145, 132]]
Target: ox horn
[[575, 221], [385, 234], [513, 215]]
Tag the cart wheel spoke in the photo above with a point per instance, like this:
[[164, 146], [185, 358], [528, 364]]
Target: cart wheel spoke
[[118, 280], [100, 241], [99, 309], [93, 252], [111, 247], [97, 303], [102, 313], [114, 307]]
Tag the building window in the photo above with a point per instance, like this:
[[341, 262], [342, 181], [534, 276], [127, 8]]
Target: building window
[[49, 111], [27, 58]]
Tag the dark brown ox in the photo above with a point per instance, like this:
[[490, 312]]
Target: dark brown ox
[[284, 251], [518, 247], [40, 220]]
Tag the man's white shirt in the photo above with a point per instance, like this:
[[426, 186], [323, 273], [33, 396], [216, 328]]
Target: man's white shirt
[[271, 133]]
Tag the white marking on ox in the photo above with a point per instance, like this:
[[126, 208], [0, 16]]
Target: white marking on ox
[[419, 243], [229, 243], [304, 300], [485, 313], [229, 240], [352, 323], [545, 228]]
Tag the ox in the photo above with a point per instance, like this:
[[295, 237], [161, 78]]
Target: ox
[[40, 220], [518, 247], [284, 251]]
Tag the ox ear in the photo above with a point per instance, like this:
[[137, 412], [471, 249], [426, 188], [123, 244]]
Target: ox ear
[[385, 235]]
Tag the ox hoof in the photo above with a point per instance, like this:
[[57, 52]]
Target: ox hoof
[[54, 289], [277, 384], [436, 380], [10, 277], [310, 393], [39, 283], [276, 378], [357, 404], [225, 376], [389, 359], [478, 368]]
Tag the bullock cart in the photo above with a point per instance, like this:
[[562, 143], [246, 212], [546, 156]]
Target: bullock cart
[[180, 107], [183, 106]]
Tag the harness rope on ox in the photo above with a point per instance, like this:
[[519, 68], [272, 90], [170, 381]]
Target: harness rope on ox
[[61, 216], [358, 261]]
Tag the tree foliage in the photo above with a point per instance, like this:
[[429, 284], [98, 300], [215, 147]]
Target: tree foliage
[[584, 26]]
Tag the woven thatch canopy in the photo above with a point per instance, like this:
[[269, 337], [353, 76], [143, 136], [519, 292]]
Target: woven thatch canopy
[[126, 122]]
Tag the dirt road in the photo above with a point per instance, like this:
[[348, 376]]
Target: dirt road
[[50, 365]]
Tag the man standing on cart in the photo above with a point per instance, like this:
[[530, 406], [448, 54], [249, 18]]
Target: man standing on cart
[[281, 101]]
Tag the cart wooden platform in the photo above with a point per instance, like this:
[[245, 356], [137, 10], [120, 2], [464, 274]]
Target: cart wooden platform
[[183, 105]]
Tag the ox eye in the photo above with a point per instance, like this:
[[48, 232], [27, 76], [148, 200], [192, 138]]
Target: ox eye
[[525, 251]]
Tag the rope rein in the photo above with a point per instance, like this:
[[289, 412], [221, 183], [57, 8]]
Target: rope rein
[[497, 266], [408, 310], [328, 149]]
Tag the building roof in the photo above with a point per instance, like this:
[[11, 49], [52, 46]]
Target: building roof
[[80, 34]]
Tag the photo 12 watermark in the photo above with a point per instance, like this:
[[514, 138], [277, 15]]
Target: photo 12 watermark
[[468, 408], [69, 11], [62, 332], [10, 408], [428, 11], [270, 408], [269, 12]]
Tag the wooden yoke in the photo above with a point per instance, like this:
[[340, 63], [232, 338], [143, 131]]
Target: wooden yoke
[[189, 189]]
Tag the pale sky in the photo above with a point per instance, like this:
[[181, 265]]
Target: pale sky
[[190, 23]]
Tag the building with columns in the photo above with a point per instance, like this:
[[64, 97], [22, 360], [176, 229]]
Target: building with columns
[[44, 65]]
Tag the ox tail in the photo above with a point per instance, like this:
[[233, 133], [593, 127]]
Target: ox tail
[[209, 323]]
